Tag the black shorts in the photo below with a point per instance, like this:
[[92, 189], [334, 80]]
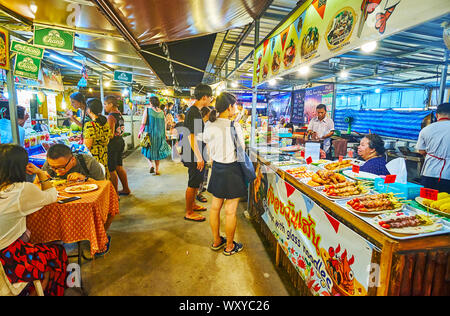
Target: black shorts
[[195, 176], [115, 153]]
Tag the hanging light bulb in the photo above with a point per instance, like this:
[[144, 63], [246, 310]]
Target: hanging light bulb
[[343, 74], [369, 47], [304, 70]]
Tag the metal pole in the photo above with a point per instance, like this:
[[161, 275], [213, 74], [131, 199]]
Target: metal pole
[[102, 94], [255, 93], [12, 106], [130, 96], [443, 78], [333, 105]]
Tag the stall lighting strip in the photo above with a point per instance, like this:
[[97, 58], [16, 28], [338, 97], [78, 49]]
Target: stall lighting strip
[[68, 62]]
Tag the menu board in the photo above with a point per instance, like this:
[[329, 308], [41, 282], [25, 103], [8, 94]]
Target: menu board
[[297, 107]]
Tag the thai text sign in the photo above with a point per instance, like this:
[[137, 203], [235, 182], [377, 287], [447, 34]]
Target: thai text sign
[[53, 38], [331, 258], [26, 49]]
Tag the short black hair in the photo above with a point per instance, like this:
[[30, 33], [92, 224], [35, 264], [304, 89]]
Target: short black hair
[[78, 96], [155, 102], [13, 164], [112, 99], [95, 105], [59, 150], [443, 109], [223, 102], [377, 143], [321, 107], [205, 111], [202, 90]]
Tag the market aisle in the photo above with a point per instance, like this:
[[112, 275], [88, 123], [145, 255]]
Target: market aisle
[[155, 252]]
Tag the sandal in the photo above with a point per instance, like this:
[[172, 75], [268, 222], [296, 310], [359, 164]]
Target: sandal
[[201, 209], [237, 248], [108, 246], [201, 198], [195, 219], [222, 244], [152, 170]]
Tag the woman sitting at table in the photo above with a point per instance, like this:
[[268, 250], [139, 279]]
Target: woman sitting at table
[[97, 133], [23, 261], [371, 149]]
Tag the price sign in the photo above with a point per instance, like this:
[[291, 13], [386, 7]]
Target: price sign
[[350, 154], [390, 178], [341, 158], [309, 160], [429, 194], [355, 168], [302, 154]]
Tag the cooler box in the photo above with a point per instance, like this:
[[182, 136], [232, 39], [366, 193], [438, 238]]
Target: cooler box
[[407, 191], [37, 155]]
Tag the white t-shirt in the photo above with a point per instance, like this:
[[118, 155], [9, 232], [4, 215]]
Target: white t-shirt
[[435, 140], [322, 128], [218, 137], [16, 202]]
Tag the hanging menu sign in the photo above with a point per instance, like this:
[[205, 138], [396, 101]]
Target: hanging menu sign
[[123, 76], [321, 29], [53, 38], [27, 67], [297, 106], [26, 49], [4, 51]]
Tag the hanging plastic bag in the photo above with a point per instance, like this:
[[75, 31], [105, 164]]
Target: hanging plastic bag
[[398, 167]]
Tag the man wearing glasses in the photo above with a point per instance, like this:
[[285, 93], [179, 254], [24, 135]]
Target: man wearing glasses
[[63, 164]]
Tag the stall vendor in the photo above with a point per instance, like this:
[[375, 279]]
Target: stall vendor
[[434, 144], [371, 149], [322, 127], [5, 123]]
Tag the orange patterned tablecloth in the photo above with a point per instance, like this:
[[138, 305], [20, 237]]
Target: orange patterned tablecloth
[[79, 220]]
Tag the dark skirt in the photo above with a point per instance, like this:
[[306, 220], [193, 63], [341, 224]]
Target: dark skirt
[[25, 262], [227, 181]]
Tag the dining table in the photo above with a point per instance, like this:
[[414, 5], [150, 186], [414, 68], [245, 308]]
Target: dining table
[[80, 220]]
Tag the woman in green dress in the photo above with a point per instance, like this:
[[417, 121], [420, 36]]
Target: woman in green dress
[[153, 123]]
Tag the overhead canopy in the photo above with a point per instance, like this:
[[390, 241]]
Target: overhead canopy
[[156, 21]]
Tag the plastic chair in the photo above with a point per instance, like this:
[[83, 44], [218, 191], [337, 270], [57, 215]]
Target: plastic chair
[[8, 289]]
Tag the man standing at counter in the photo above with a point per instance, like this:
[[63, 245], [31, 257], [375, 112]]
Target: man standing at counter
[[322, 127], [434, 144]]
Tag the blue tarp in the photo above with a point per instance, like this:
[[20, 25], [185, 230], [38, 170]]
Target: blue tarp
[[397, 124]]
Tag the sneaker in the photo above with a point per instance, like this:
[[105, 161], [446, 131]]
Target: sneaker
[[221, 245], [237, 248]]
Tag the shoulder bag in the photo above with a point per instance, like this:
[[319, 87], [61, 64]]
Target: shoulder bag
[[242, 158], [145, 141]]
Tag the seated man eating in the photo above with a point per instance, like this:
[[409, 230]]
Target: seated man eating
[[62, 163]]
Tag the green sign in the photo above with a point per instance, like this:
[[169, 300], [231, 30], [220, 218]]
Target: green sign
[[123, 76], [53, 38], [27, 67], [27, 49]]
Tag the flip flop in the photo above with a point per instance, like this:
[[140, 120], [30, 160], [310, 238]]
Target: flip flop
[[198, 219], [203, 209], [222, 244], [201, 198], [124, 194]]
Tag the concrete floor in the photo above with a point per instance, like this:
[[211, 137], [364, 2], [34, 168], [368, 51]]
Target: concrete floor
[[154, 251]]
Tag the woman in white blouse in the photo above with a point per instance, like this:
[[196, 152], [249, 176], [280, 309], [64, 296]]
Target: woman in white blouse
[[227, 181], [22, 260]]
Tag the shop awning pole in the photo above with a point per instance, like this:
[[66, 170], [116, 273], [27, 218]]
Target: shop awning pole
[[443, 78], [12, 99], [255, 94], [102, 93], [130, 96]]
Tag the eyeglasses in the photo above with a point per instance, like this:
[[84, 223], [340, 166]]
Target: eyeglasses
[[61, 168]]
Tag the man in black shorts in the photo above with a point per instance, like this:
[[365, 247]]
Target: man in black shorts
[[116, 145], [193, 158]]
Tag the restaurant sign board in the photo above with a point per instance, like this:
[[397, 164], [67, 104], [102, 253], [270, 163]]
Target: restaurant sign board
[[27, 67], [53, 38], [4, 49], [321, 29], [123, 76], [331, 258], [27, 49]]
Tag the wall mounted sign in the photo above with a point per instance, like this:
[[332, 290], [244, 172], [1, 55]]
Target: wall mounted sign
[[27, 49], [53, 38], [27, 67], [4, 49]]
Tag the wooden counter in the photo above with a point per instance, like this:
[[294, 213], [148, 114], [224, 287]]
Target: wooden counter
[[419, 266]]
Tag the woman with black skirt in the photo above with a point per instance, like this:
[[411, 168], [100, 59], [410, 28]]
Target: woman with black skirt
[[227, 180]]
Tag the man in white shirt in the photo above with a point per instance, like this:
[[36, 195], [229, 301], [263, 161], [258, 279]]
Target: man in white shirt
[[434, 144], [322, 127]]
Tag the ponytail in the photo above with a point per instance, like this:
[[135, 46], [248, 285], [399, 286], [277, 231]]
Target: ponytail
[[213, 116], [101, 120]]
